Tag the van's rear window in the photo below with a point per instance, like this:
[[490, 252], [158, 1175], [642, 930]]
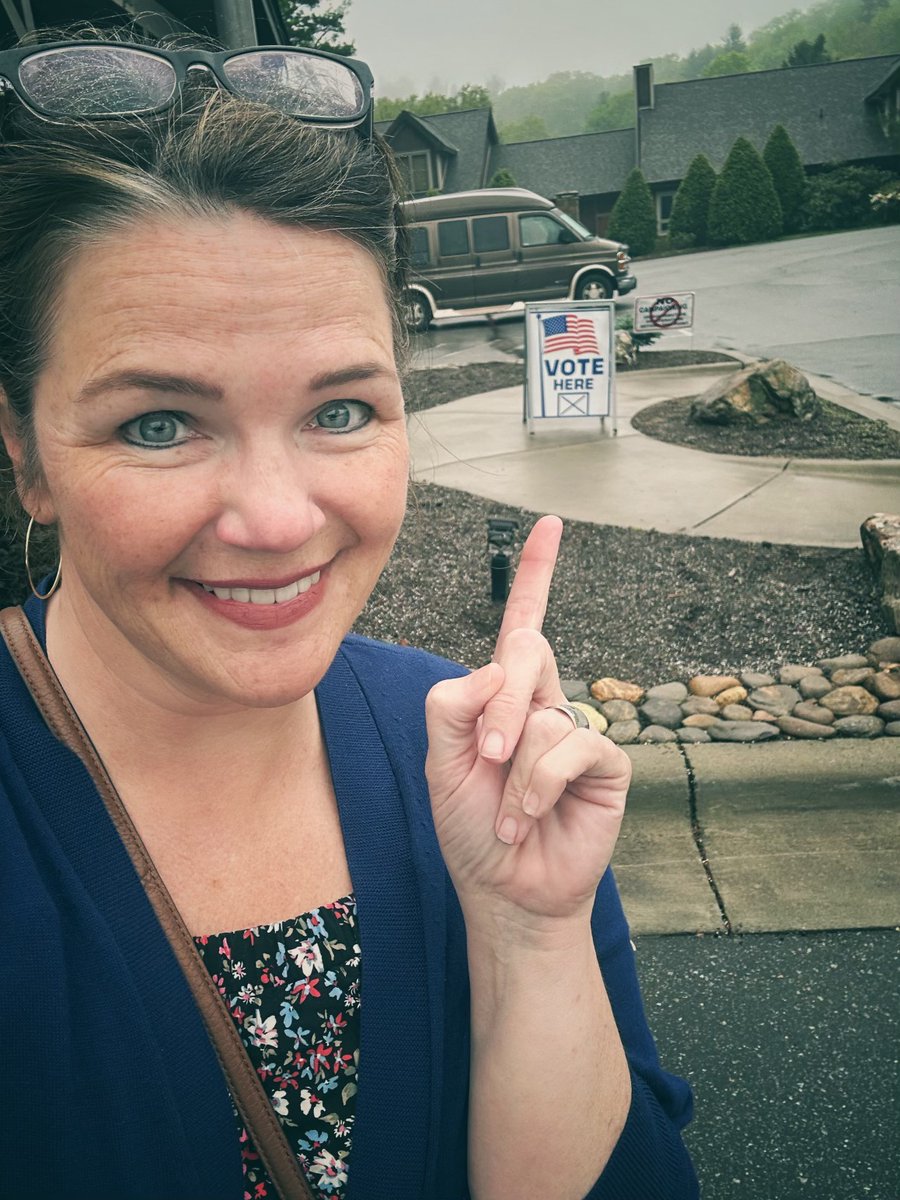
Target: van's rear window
[[453, 238], [490, 233], [418, 246]]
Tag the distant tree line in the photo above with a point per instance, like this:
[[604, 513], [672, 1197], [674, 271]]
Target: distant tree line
[[570, 102]]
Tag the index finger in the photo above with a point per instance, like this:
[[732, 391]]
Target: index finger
[[530, 591]]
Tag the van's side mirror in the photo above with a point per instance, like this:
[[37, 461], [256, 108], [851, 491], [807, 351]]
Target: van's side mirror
[[566, 237]]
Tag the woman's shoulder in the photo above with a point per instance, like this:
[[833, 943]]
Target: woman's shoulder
[[391, 666]]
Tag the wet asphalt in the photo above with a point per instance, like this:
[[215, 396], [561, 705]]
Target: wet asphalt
[[791, 1042]]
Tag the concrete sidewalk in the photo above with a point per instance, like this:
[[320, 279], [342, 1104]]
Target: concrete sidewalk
[[480, 445], [763, 838]]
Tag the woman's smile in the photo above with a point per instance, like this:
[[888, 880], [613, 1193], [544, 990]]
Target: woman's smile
[[266, 605]]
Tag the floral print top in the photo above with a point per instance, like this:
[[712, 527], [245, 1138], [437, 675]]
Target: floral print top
[[293, 990]]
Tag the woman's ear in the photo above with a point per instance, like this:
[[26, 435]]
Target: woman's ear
[[32, 498]]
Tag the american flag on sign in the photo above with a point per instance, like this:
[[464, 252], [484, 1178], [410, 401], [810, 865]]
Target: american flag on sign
[[569, 332]]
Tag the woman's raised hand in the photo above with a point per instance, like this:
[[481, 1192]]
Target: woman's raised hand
[[527, 808]]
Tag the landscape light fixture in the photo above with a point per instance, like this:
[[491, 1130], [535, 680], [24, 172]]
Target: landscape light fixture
[[501, 538]]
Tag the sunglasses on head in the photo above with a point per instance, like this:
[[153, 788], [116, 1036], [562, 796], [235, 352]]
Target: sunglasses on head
[[104, 80]]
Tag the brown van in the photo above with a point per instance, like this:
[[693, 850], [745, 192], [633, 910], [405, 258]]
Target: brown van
[[487, 250]]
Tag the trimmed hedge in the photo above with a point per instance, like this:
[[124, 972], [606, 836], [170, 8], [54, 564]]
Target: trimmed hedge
[[744, 206], [690, 208], [633, 218], [841, 198], [781, 157]]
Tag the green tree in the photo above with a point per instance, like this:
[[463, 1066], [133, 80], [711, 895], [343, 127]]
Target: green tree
[[690, 208], [502, 178], [311, 24], [470, 95], [808, 54], [611, 112], [473, 95], [744, 206], [529, 129], [633, 218], [734, 39], [781, 157], [730, 62]]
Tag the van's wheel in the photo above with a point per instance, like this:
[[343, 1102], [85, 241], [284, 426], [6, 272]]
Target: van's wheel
[[417, 312], [593, 287]]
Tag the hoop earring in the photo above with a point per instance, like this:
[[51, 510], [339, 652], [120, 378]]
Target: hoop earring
[[55, 584]]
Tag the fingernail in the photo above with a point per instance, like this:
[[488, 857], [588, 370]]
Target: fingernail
[[508, 831], [492, 744], [530, 805]]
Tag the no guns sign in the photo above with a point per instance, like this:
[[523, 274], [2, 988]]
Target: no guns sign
[[657, 314]]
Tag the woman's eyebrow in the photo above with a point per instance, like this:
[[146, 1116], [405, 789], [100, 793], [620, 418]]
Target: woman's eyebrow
[[148, 381], [155, 381], [330, 379]]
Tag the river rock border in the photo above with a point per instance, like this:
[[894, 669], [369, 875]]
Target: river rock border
[[852, 695]]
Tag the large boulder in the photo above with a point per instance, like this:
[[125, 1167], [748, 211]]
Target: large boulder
[[880, 535], [756, 395]]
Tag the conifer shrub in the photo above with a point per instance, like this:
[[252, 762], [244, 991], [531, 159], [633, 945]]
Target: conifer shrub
[[690, 208], [633, 218], [781, 157], [744, 206], [502, 179]]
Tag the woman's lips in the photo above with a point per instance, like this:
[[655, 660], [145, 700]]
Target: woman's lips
[[262, 607]]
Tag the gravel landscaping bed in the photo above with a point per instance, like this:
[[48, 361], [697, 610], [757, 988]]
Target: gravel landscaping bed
[[634, 604], [439, 385], [835, 433]]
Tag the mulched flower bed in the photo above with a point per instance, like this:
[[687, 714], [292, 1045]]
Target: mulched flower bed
[[835, 433]]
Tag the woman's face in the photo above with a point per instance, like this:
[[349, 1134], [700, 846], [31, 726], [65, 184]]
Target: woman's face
[[221, 431]]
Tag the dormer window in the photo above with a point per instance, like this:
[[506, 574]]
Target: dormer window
[[417, 169]]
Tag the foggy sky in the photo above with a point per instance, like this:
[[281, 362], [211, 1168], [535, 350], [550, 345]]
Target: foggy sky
[[417, 45]]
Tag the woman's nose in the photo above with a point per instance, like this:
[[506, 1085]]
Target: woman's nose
[[268, 504]]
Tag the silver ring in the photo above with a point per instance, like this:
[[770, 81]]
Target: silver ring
[[578, 718]]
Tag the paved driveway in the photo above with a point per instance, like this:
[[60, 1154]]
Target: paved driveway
[[829, 304]]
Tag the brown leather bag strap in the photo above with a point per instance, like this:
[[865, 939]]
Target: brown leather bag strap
[[252, 1103]]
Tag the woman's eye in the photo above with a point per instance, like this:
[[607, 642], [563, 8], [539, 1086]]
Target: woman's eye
[[158, 429], [343, 416]]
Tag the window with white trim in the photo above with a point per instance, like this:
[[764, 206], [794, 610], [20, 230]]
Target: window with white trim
[[664, 201], [417, 170]]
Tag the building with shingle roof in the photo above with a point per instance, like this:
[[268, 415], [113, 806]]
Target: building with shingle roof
[[824, 109], [593, 166], [840, 112], [449, 152]]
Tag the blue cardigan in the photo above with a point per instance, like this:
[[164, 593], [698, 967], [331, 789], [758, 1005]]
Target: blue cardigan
[[111, 1086]]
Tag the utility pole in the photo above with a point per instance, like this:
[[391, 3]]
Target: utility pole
[[236, 23]]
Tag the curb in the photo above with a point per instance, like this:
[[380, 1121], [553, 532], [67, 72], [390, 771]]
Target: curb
[[728, 839]]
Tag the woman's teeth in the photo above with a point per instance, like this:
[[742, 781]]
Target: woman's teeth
[[264, 595]]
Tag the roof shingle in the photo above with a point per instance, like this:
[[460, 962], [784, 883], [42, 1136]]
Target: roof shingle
[[587, 163], [822, 107]]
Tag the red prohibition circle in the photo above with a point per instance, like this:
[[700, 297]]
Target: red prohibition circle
[[665, 311]]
